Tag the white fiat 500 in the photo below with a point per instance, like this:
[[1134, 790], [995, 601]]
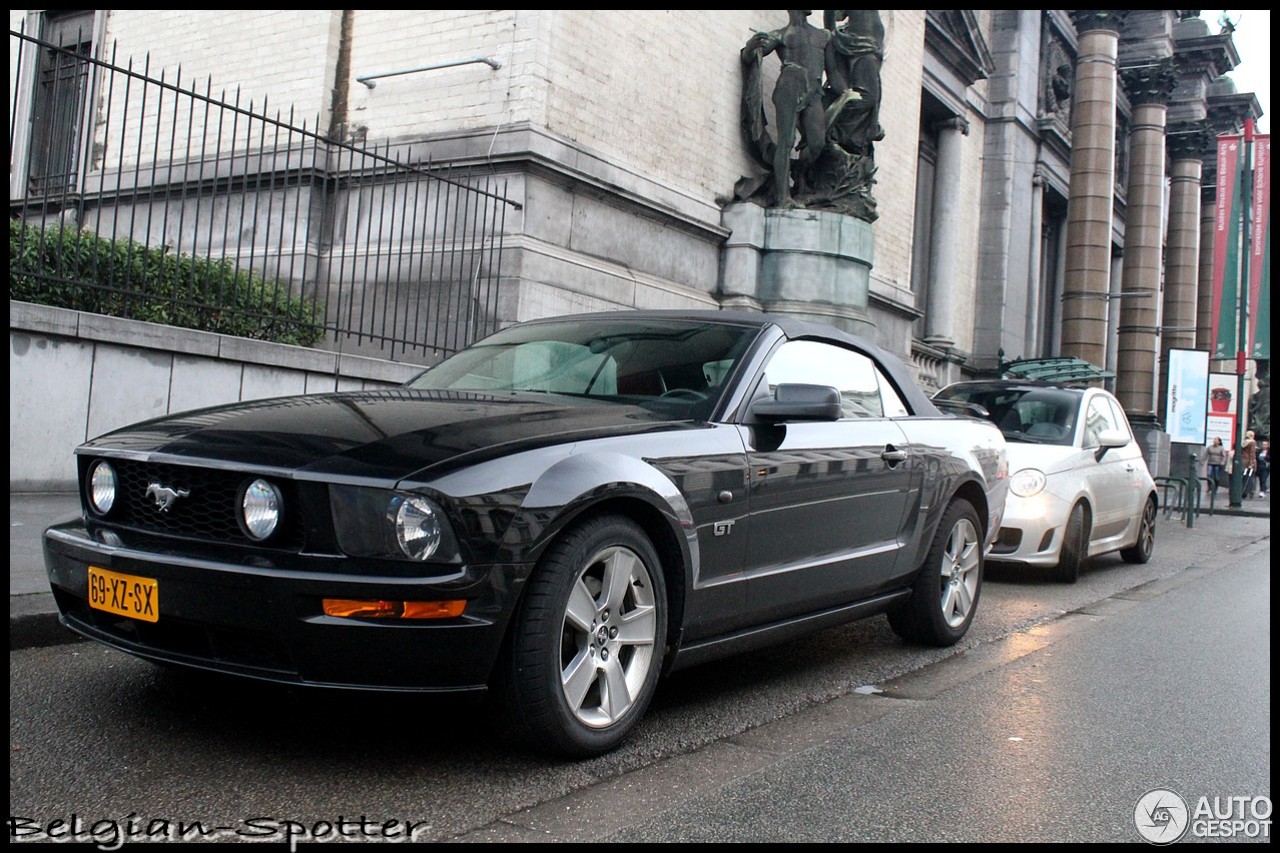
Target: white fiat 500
[[1079, 486]]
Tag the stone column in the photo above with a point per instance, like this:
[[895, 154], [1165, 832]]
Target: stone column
[[1054, 287], [1186, 145], [1113, 320], [1149, 88], [1093, 131], [940, 308], [1035, 278]]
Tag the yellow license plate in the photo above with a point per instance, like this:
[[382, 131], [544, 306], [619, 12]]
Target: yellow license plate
[[124, 595]]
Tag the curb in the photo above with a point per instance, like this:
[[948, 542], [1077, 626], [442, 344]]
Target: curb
[[33, 623]]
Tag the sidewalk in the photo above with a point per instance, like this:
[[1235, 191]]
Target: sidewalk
[[33, 619]]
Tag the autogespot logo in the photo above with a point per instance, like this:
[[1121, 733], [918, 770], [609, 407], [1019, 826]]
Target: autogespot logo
[[1161, 816]]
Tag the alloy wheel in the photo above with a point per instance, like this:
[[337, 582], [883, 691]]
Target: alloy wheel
[[608, 636], [960, 575]]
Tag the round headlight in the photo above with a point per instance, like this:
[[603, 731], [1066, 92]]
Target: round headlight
[[418, 528], [102, 488], [260, 509], [1027, 483]]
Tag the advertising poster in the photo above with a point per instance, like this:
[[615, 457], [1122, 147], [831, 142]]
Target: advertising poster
[[1188, 397], [1229, 211], [1221, 422], [1260, 252]]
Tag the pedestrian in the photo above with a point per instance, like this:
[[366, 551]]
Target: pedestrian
[[1249, 463], [1264, 466], [1215, 457]]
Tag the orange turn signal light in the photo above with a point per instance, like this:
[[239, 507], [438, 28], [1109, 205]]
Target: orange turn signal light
[[393, 609]]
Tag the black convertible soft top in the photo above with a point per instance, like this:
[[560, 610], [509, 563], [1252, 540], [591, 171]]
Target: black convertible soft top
[[794, 328]]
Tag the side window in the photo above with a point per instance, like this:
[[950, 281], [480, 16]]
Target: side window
[[1121, 421], [864, 392], [1098, 418], [893, 405]]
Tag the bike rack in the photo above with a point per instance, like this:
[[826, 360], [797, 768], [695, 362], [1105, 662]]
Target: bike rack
[[1176, 503], [1211, 487], [1187, 493], [1181, 496]]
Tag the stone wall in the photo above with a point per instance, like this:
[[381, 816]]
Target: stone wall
[[74, 376]]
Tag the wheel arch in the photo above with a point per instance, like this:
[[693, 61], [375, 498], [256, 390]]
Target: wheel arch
[[589, 485], [973, 492], [666, 542]]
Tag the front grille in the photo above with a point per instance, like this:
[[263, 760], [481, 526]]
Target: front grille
[[209, 511]]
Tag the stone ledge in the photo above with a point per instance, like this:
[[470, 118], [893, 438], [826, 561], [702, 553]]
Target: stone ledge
[[78, 325]]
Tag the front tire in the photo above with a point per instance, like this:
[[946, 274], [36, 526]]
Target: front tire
[[944, 598], [1142, 549], [1075, 546], [587, 641]]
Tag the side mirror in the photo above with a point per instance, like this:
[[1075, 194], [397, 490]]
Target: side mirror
[[798, 402], [1108, 439]]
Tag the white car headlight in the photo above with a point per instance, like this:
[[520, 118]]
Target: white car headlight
[[1027, 483], [260, 508]]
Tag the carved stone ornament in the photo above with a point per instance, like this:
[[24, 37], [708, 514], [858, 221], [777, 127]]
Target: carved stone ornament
[[1057, 75], [1151, 83]]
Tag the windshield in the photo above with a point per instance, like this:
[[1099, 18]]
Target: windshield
[[1024, 413], [671, 366]]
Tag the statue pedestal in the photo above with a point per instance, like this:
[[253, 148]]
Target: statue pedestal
[[803, 263]]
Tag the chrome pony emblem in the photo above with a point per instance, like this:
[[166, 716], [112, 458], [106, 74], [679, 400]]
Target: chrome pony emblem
[[165, 496]]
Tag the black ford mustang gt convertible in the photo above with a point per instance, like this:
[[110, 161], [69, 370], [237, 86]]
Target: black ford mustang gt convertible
[[561, 513]]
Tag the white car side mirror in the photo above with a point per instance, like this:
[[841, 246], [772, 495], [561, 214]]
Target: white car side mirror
[[1112, 438]]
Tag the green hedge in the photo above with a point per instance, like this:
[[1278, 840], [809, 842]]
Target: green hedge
[[67, 268]]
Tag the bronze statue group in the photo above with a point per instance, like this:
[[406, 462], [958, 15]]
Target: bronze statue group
[[826, 106]]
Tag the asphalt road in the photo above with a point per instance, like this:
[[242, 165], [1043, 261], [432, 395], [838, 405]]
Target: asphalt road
[[1062, 706]]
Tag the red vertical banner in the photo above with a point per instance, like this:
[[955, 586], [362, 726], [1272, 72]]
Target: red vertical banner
[[1260, 251], [1226, 248]]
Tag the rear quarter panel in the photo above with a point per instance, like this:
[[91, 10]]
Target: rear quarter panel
[[957, 456]]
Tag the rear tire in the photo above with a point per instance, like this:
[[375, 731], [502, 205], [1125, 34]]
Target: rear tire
[[1075, 546], [586, 645], [944, 598]]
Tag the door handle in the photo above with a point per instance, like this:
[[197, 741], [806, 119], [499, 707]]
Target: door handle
[[893, 456]]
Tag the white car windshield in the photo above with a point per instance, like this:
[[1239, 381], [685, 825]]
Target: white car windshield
[[1024, 413]]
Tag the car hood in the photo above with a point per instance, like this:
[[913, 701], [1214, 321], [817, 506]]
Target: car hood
[[1049, 458], [376, 435]]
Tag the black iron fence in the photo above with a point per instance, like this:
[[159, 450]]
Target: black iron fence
[[157, 198]]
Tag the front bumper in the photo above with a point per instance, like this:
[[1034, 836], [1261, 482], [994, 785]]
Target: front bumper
[[245, 614], [1032, 530]]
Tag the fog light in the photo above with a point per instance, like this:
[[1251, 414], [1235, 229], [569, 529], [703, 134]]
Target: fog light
[[379, 609], [260, 508], [1034, 508], [102, 488]]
